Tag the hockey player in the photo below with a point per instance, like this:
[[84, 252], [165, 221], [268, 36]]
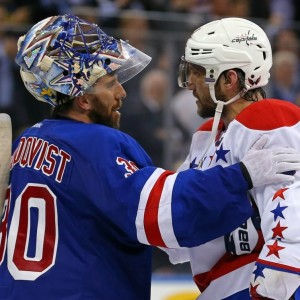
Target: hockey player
[[226, 64], [84, 202]]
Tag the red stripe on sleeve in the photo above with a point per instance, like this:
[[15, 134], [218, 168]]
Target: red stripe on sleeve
[[227, 264], [151, 213], [277, 266]]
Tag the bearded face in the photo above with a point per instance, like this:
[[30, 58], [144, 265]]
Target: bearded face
[[105, 101]]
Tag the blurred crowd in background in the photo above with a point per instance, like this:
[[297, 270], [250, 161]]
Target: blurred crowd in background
[[160, 115]]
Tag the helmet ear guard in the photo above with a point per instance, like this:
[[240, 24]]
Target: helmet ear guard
[[68, 55]]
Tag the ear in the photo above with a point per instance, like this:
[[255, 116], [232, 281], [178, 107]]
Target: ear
[[230, 79], [83, 102]]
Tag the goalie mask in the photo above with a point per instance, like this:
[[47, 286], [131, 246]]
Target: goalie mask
[[68, 55]]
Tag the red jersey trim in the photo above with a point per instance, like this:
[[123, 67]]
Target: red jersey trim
[[278, 266], [207, 126], [269, 114], [266, 114]]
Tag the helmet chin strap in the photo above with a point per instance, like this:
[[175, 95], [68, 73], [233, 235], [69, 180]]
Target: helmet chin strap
[[217, 117]]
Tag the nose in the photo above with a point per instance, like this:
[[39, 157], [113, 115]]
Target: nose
[[121, 92], [190, 82]]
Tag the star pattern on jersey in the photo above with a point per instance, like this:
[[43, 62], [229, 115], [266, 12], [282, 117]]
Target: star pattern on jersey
[[193, 164], [277, 231], [279, 193], [258, 272], [221, 153], [274, 249], [278, 211], [253, 289]]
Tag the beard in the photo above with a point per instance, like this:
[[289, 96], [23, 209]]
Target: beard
[[99, 114], [208, 109]]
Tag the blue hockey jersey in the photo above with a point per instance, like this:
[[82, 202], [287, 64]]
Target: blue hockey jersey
[[85, 202]]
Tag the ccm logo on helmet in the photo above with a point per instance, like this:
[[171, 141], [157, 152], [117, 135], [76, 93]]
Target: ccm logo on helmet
[[244, 38]]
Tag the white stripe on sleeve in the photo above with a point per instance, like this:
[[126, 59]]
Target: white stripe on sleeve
[[139, 221]]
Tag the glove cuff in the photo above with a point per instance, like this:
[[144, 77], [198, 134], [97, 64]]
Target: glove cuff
[[246, 175]]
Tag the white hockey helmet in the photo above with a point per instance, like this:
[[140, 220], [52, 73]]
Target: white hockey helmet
[[67, 54], [227, 44]]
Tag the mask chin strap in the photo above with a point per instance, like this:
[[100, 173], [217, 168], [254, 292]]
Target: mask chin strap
[[217, 117]]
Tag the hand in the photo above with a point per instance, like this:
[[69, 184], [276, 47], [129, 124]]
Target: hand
[[267, 166], [246, 239]]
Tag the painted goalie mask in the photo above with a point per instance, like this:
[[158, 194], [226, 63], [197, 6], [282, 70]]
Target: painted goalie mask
[[68, 55]]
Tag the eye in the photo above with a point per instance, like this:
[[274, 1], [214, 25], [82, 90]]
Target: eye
[[110, 84], [197, 70]]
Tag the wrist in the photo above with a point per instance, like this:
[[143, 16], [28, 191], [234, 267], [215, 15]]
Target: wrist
[[246, 175]]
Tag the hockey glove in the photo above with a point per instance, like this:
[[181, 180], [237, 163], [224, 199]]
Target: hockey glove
[[246, 238], [265, 166]]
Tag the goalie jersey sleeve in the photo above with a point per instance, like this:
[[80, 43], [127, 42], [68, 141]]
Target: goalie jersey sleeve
[[85, 203]]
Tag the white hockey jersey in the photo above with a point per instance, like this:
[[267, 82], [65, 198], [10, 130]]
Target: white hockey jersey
[[271, 272]]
